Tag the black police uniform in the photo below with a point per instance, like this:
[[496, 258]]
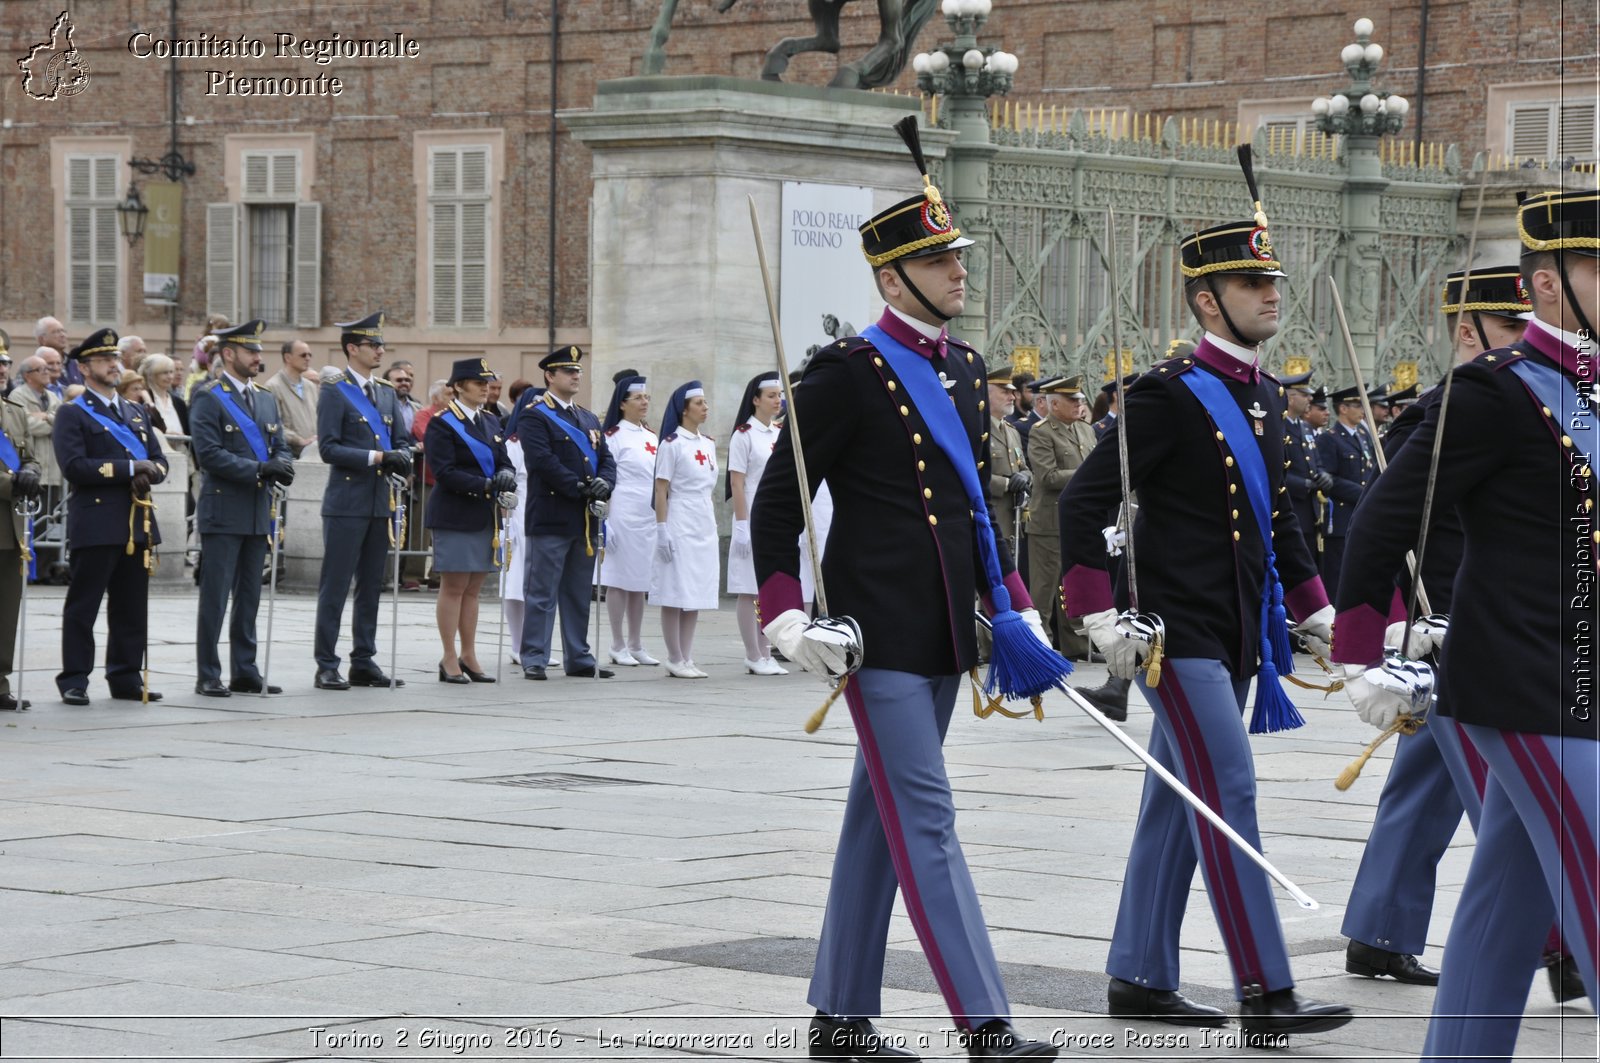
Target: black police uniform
[[1347, 455]]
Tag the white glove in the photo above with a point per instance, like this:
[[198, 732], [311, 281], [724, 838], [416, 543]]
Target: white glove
[[1036, 625], [1316, 631], [663, 544], [740, 546], [1122, 653], [1116, 538], [1387, 689], [1427, 635], [827, 646]]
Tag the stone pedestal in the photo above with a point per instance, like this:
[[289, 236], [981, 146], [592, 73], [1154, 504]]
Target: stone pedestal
[[170, 496], [302, 527]]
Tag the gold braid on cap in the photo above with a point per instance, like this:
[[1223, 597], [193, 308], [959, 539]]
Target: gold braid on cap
[[1560, 243]]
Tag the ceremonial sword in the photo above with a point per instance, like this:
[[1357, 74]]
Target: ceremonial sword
[[398, 486], [27, 509], [274, 531]]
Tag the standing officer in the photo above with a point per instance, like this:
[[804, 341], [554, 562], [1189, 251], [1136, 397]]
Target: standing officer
[[570, 469], [240, 448], [1307, 482], [1206, 457], [1109, 390], [359, 434], [1056, 448], [1024, 412], [1345, 453], [1009, 479], [20, 479], [1516, 465], [893, 449], [110, 455]]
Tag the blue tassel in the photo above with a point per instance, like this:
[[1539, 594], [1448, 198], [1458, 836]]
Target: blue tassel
[[1278, 630], [1273, 711], [1020, 666]]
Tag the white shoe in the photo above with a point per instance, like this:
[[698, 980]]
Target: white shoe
[[624, 658], [641, 657], [696, 669], [764, 666], [682, 670]]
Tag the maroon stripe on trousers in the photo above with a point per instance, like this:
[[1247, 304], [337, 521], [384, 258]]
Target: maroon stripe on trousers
[[899, 855], [1215, 849], [1549, 787], [1477, 767]]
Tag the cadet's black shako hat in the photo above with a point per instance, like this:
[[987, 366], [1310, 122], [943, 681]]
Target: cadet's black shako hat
[[1234, 247], [568, 357], [921, 225], [246, 336], [1560, 221], [367, 330], [1496, 290], [102, 341], [471, 369]]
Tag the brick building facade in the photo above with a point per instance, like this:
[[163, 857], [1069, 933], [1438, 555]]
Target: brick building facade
[[424, 187]]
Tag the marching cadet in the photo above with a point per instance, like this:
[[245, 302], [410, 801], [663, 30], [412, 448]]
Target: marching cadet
[[1307, 482], [20, 479], [239, 445], [1345, 453], [1009, 478], [904, 464], [1516, 464], [1057, 446], [110, 454], [360, 436], [1206, 458], [570, 471]]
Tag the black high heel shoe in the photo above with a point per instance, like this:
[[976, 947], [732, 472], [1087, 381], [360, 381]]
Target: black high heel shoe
[[476, 677], [446, 677]]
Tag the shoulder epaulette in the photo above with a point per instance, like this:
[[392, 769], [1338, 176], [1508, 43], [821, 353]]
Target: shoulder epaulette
[[744, 426], [1172, 367], [380, 380], [548, 399], [1498, 358], [613, 430], [670, 438], [206, 386], [1274, 381]]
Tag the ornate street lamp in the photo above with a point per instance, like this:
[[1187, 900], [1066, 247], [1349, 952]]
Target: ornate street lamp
[[966, 74], [131, 215], [1361, 109]]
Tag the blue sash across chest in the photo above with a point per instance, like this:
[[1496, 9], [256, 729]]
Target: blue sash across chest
[[246, 424], [369, 412], [1558, 395], [9, 458], [119, 431], [577, 434], [480, 449]]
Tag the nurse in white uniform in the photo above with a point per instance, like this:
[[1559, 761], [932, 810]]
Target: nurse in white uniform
[[749, 447], [511, 572], [685, 577], [631, 523]]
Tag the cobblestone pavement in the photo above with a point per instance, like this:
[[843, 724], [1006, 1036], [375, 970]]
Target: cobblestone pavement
[[622, 869]]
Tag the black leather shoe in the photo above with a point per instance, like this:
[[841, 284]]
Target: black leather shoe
[[251, 686], [476, 677], [1267, 1018], [1370, 961], [75, 697], [996, 1039], [9, 703], [136, 695], [213, 688], [852, 1041], [330, 679], [588, 673], [533, 671], [1565, 981], [372, 678], [1110, 697], [1125, 1000], [459, 677]]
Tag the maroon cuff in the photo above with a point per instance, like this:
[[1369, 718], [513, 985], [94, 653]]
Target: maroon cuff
[[1358, 635], [1086, 590], [1305, 599], [1397, 608], [779, 593], [1019, 595]]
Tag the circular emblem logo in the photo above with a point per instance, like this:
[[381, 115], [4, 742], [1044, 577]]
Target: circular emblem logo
[[1261, 244], [935, 217], [1522, 293]]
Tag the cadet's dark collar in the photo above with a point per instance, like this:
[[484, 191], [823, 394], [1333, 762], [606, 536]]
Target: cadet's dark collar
[[1560, 347], [1228, 358], [919, 336]]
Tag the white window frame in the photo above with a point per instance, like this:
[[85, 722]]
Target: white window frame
[[107, 299], [265, 171], [452, 206], [425, 144], [94, 211]]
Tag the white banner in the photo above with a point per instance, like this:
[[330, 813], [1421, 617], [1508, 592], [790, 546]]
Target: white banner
[[824, 284]]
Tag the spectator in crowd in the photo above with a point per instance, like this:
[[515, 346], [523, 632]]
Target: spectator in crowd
[[132, 391], [631, 523], [32, 393], [297, 398], [168, 412], [493, 405], [515, 390], [402, 374], [48, 332], [132, 351], [685, 578], [5, 363], [755, 434], [1023, 415], [200, 367], [466, 455], [53, 362]]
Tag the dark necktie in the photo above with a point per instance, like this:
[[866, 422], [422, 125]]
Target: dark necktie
[[372, 396], [249, 403]]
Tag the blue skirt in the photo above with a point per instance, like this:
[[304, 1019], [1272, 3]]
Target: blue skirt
[[463, 551]]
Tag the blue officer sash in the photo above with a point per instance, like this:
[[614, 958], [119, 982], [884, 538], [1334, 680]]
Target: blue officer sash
[[119, 431], [247, 424], [479, 448], [8, 454], [1019, 664], [366, 409], [1551, 387], [577, 434], [1273, 709]]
